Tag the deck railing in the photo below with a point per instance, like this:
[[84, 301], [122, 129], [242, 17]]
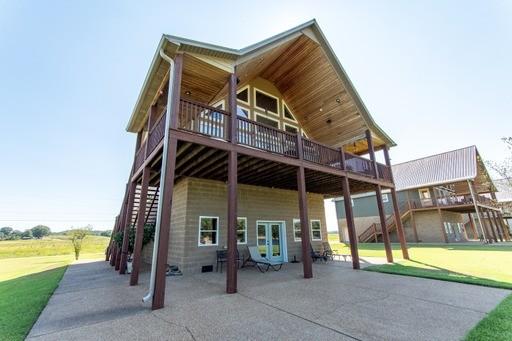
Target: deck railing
[[321, 154], [270, 139], [214, 122], [358, 164], [203, 119], [140, 156]]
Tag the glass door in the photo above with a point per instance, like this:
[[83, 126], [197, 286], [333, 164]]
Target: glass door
[[270, 241]]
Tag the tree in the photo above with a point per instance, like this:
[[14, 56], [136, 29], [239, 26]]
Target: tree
[[15, 235], [40, 231], [77, 236], [106, 233], [504, 167], [27, 234], [6, 231]]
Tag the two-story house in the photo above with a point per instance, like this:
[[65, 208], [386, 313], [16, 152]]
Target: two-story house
[[447, 197], [239, 147]]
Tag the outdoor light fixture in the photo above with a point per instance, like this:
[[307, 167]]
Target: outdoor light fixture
[[338, 100], [188, 93]]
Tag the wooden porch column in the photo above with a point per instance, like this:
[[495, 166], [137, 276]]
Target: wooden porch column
[[139, 228], [478, 216], [120, 228], [349, 216], [126, 227], [112, 252], [167, 187], [498, 227], [371, 151], [396, 209], [441, 222], [231, 266], [504, 226], [493, 231], [473, 228], [384, 228]]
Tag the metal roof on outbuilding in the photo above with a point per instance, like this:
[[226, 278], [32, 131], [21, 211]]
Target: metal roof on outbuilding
[[449, 167]]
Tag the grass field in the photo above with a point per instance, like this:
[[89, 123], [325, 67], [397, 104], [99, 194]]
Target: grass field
[[27, 280], [51, 246], [485, 265]]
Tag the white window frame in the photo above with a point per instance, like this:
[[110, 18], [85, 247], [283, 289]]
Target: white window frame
[[263, 109], [423, 190], [352, 202], [245, 231], [385, 197], [199, 231], [245, 108], [290, 125], [256, 114], [248, 95], [283, 105], [295, 220], [311, 229], [204, 124]]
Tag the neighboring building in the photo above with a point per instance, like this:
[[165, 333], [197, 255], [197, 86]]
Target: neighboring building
[[249, 132], [504, 197], [448, 197]]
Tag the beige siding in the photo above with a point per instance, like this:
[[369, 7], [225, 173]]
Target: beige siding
[[197, 197]]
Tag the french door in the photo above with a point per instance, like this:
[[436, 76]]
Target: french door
[[270, 240]]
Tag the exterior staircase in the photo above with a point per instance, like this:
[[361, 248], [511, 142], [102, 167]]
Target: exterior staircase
[[151, 205], [373, 234]]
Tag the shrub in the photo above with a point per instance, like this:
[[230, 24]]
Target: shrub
[[149, 233], [77, 236]]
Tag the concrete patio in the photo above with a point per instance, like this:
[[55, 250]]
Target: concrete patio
[[95, 303]]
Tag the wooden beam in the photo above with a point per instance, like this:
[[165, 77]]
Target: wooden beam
[[307, 267], [371, 151], [139, 228], [396, 210], [231, 266], [498, 227], [473, 228], [349, 216], [493, 231], [383, 225], [126, 227]]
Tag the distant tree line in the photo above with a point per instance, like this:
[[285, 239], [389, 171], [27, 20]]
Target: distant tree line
[[40, 231]]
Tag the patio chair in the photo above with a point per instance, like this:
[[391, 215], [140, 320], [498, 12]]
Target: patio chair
[[263, 264], [222, 257], [328, 252], [316, 255]]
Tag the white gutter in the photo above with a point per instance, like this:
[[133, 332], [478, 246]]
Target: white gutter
[[156, 241]]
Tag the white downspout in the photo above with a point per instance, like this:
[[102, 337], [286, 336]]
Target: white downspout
[[149, 295]]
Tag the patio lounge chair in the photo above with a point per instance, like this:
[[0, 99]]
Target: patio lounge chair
[[262, 263], [328, 252], [316, 255]]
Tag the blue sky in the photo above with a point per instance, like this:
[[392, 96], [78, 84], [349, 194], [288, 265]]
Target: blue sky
[[436, 75]]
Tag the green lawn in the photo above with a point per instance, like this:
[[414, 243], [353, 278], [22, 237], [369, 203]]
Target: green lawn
[[485, 265], [26, 283], [50, 246]]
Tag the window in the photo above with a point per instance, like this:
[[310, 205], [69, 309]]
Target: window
[[297, 236], [424, 193], [291, 129], [316, 233], [242, 112], [241, 231], [268, 121], [385, 198], [288, 114], [243, 95], [208, 231], [266, 102]]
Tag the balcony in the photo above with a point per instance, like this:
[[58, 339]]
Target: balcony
[[214, 123]]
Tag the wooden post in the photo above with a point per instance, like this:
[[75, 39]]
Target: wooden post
[[504, 226], [493, 231], [113, 244], [139, 228], [168, 186], [304, 223], [126, 226], [498, 227], [349, 216], [472, 191], [441, 222], [231, 266], [122, 215], [384, 228], [396, 209], [371, 151], [473, 228]]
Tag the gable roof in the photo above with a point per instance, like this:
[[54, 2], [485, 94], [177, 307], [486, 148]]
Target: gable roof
[[448, 167], [172, 44]]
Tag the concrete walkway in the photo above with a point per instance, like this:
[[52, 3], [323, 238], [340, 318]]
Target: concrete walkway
[[95, 303]]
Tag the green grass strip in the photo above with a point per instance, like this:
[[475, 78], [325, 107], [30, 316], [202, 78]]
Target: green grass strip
[[23, 298], [497, 326]]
